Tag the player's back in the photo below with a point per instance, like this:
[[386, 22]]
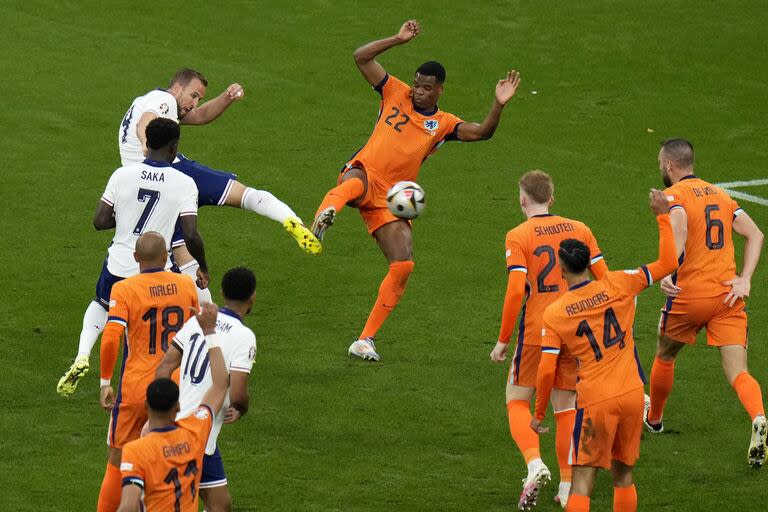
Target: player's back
[[708, 260], [158, 101], [168, 463], [594, 320], [532, 248], [149, 196], [403, 137], [238, 347], [156, 305]]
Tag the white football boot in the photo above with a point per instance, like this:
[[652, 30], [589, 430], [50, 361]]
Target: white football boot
[[364, 349], [323, 221], [758, 450], [653, 428], [532, 485]]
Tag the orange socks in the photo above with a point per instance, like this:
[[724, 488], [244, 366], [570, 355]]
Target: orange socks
[[390, 291], [624, 499], [527, 441], [749, 394], [340, 195], [662, 378], [111, 490], [564, 421], [577, 503]]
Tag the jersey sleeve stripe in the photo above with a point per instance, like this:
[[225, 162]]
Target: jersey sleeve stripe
[[133, 480], [184, 214], [676, 206], [737, 212], [240, 369], [117, 320], [110, 203], [596, 259], [550, 350], [517, 268], [648, 276]]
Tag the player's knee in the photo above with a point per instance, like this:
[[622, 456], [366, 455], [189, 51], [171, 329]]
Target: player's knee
[[402, 271], [667, 349]]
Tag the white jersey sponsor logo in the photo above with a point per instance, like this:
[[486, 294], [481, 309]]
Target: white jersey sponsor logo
[[161, 103], [145, 197], [238, 346]]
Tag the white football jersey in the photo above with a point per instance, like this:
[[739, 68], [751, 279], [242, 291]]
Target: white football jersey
[[149, 196], [158, 101], [238, 346]]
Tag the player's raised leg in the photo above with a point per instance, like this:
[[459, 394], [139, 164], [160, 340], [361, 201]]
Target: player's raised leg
[[662, 379], [352, 186], [734, 359], [396, 242]]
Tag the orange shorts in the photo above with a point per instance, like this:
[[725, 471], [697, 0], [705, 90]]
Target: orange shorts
[[525, 366], [125, 424], [682, 319], [373, 206], [608, 430]]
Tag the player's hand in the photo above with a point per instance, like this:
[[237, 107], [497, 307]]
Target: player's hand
[[232, 415], [408, 31], [739, 290], [235, 92], [203, 279], [107, 397], [536, 426], [499, 352], [206, 317], [507, 87], [658, 202], [669, 288]]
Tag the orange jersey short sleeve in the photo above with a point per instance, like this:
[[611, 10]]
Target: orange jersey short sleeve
[[531, 248], [593, 321], [167, 463], [708, 260], [152, 306], [403, 136]]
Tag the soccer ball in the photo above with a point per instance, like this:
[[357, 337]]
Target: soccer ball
[[406, 199]]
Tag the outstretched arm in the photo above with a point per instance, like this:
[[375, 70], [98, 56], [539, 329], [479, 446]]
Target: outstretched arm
[[365, 55], [505, 90], [104, 218], [196, 247], [753, 245], [666, 262], [212, 109]]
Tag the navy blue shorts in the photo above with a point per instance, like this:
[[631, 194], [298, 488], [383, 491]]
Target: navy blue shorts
[[213, 471], [212, 185], [104, 286]]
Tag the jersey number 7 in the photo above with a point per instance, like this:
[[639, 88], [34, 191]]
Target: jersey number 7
[[151, 197]]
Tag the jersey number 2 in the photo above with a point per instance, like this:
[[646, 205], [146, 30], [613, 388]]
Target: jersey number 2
[[550, 252], [150, 197], [396, 112], [610, 323]]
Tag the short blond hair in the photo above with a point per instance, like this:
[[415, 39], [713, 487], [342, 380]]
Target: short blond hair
[[537, 185]]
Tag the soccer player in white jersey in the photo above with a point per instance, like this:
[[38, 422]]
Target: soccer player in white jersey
[[190, 353], [216, 188], [147, 196]]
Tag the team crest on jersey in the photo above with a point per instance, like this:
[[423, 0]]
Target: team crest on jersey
[[431, 126], [202, 413], [164, 108], [252, 353]]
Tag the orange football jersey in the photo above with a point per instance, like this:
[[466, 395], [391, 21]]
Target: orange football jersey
[[708, 260], [403, 136], [167, 463], [532, 248], [594, 320], [152, 306]]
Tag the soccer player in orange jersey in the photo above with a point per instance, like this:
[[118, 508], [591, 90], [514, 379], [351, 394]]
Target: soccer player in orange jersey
[[706, 291], [148, 309], [534, 277], [593, 322], [410, 127], [161, 471]]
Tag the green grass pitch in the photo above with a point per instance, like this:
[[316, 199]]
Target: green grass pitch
[[603, 83]]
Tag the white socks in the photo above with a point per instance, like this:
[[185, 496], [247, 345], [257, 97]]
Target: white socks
[[563, 490], [264, 203], [190, 269], [94, 320]]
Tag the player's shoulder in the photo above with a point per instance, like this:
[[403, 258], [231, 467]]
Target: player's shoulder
[[159, 94]]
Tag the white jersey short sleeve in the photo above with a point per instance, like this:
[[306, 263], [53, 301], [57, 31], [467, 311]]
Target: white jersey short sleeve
[[238, 346], [149, 196], [161, 103]]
